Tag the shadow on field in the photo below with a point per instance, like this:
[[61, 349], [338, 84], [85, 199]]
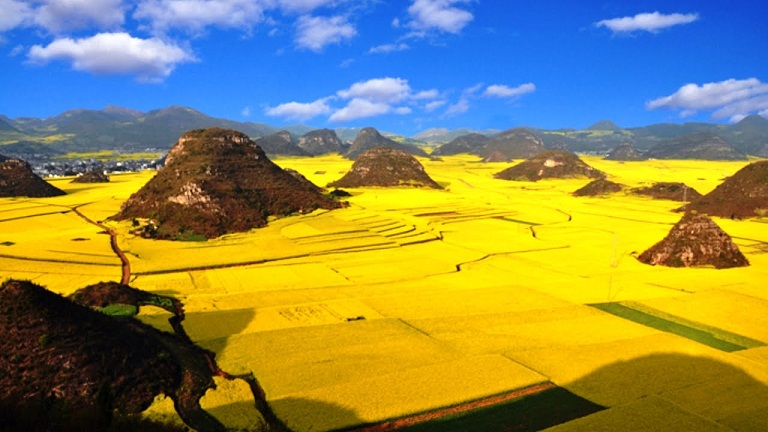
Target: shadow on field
[[703, 386], [297, 414], [678, 389]]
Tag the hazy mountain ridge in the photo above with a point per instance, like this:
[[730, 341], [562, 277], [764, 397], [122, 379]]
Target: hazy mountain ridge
[[124, 129]]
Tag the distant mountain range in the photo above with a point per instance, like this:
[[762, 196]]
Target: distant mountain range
[[123, 129]]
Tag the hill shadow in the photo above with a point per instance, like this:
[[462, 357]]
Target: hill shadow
[[684, 388]]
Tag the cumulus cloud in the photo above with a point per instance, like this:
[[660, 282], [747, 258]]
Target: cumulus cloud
[[504, 91], [196, 15], [388, 48], [732, 98], [650, 22], [459, 107], [60, 16], [300, 111], [314, 33], [150, 60], [386, 90], [360, 108], [433, 105], [438, 15], [15, 14], [303, 6]]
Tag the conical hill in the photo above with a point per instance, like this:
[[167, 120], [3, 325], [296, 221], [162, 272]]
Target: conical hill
[[550, 164], [17, 179], [217, 181], [386, 166], [695, 241], [743, 195]]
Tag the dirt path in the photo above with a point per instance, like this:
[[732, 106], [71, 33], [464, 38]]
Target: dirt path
[[126, 265], [396, 424]]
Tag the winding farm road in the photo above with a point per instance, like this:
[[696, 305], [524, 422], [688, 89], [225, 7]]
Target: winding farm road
[[126, 265]]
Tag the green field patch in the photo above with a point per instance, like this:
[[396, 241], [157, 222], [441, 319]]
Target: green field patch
[[701, 333]]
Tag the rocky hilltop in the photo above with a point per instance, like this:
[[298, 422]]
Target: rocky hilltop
[[386, 166], [695, 241], [321, 141], [469, 143], [517, 143], [369, 138], [217, 181], [92, 176], [280, 143], [625, 152], [743, 195], [18, 179], [550, 164], [674, 191], [702, 145]]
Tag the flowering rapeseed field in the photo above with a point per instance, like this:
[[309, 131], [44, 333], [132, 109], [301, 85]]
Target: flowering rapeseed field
[[410, 300]]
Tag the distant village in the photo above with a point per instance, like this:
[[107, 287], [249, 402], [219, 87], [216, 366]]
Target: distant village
[[45, 167]]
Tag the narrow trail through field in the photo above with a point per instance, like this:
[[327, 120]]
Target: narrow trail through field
[[126, 264]]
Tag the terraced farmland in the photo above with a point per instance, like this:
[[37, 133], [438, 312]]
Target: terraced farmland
[[411, 301]]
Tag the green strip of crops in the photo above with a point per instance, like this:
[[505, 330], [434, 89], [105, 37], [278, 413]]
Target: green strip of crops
[[710, 336]]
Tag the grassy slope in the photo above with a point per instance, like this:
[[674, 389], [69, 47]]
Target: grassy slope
[[488, 308]]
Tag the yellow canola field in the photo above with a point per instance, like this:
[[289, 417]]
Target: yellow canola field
[[410, 300]]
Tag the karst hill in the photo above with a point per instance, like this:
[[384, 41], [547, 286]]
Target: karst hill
[[369, 138], [217, 181], [550, 164], [517, 143], [385, 167], [18, 179], [695, 241], [743, 195], [625, 152], [701, 145], [320, 141]]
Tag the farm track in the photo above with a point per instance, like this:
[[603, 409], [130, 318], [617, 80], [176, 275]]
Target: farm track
[[125, 263]]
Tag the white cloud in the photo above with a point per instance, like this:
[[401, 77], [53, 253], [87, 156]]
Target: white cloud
[[440, 15], [431, 106], [384, 90], [403, 110], [303, 6], [150, 60], [504, 91], [15, 14], [459, 107], [246, 112], [650, 22], [360, 108], [388, 48], [60, 16], [196, 15], [731, 98], [300, 111], [426, 94], [314, 33]]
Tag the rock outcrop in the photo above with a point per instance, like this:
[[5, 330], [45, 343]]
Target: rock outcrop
[[386, 167], [625, 152], [550, 164], [369, 138], [517, 143], [598, 187], [18, 180], [92, 176], [673, 191], [469, 143], [695, 241], [320, 141], [742, 195], [217, 181]]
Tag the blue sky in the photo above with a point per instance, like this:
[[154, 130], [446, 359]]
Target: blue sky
[[400, 66]]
